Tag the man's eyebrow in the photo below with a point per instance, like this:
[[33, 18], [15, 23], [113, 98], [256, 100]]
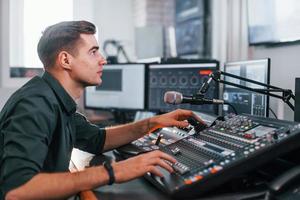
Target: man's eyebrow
[[94, 48]]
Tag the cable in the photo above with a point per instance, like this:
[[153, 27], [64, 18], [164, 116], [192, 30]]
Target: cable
[[273, 113], [233, 108]]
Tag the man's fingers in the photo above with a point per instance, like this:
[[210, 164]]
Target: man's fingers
[[165, 165], [189, 113], [182, 124], [165, 156], [183, 114], [156, 171], [198, 118], [161, 159]]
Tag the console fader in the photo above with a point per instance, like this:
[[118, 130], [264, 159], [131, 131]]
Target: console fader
[[209, 156]]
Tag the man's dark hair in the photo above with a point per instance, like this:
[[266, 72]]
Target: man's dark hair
[[63, 36]]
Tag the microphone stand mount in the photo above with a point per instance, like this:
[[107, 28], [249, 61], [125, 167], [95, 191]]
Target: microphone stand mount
[[270, 90]]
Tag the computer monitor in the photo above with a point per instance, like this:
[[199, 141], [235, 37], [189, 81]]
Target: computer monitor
[[123, 87], [245, 101], [297, 100], [186, 78]]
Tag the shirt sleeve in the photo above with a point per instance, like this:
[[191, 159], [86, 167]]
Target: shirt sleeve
[[27, 134], [89, 137]]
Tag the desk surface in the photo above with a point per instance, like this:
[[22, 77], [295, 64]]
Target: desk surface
[[141, 189], [135, 189]]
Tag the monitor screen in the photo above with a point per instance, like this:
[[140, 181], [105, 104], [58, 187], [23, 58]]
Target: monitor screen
[[245, 101], [123, 87], [186, 78]]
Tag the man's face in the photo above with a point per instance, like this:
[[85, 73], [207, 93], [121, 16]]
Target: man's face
[[87, 65]]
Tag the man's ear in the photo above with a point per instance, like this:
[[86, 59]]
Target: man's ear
[[64, 59]]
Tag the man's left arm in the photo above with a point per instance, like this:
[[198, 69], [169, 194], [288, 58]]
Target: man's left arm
[[123, 134]]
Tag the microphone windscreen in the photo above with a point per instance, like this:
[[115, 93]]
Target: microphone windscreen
[[173, 97]]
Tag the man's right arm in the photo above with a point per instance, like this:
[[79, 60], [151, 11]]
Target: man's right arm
[[59, 185], [63, 185]]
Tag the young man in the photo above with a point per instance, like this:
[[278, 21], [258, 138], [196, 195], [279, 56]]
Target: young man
[[39, 124]]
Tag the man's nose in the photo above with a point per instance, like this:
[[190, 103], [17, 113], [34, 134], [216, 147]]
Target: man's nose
[[103, 60]]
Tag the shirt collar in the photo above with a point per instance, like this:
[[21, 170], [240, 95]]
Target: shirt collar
[[66, 100]]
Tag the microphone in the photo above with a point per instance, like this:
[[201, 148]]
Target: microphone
[[173, 97], [205, 85]]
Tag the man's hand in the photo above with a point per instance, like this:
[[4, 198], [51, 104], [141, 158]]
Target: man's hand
[[115, 136], [139, 165], [174, 118]]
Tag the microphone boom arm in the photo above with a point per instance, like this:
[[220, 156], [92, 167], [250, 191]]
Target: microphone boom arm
[[286, 96]]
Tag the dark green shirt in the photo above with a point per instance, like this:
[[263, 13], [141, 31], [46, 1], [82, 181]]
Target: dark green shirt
[[39, 126]]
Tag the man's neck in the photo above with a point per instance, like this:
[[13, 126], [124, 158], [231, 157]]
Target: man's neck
[[74, 89]]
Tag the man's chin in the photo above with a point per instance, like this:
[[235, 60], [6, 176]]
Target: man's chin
[[93, 84], [99, 82]]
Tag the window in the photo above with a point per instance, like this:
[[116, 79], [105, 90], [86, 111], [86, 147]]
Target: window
[[273, 21], [27, 20]]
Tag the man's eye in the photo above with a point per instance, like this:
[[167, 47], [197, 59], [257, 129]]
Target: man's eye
[[94, 52]]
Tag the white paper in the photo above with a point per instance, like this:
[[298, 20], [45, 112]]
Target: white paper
[[79, 160]]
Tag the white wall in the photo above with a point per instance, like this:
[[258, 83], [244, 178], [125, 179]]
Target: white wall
[[4, 56], [285, 67], [5, 91], [115, 20], [84, 10]]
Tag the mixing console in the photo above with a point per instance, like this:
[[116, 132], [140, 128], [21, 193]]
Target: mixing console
[[209, 156]]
